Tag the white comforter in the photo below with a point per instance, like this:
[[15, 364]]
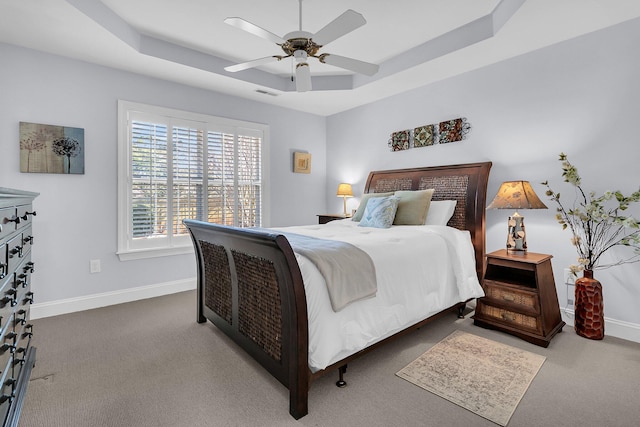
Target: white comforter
[[420, 270]]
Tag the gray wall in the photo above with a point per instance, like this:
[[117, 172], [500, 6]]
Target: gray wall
[[580, 97], [76, 218]]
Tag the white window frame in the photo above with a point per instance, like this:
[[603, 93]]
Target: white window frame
[[173, 245]]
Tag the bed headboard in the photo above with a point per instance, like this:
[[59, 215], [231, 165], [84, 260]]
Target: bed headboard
[[466, 183]]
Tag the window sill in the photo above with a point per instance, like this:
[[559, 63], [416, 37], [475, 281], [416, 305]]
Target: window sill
[[132, 255]]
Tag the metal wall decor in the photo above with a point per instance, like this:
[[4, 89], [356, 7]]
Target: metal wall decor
[[453, 130], [424, 136], [400, 140]]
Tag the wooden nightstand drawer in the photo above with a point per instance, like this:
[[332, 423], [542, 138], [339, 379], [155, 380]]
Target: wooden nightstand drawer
[[518, 299], [512, 318]]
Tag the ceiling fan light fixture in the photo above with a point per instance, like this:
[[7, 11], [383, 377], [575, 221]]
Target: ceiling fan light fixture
[[303, 77], [301, 56]]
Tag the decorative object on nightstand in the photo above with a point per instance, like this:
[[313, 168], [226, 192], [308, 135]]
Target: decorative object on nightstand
[[516, 195], [344, 191], [597, 224], [520, 296]]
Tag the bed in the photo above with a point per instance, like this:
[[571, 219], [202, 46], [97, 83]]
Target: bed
[[251, 286]]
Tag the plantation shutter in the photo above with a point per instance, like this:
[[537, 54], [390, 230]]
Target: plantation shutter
[[149, 179], [249, 175], [187, 183]]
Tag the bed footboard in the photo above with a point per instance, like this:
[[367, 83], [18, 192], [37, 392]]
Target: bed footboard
[[250, 287]]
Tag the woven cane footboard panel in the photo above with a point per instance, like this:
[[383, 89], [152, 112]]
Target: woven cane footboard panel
[[259, 312], [450, 188], [217, 290]]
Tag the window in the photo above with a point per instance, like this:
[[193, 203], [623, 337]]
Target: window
[[175, 165]]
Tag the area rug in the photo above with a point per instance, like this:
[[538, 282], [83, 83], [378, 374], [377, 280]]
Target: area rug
[[483, 376]]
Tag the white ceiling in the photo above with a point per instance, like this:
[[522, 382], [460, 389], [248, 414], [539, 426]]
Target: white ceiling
[[415, 42]]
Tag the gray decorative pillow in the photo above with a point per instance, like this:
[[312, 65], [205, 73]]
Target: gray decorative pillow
[[379, 212], [363, 203], [413, 207]]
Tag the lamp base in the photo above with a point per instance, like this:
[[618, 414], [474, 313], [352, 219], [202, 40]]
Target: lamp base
[[517, 236]]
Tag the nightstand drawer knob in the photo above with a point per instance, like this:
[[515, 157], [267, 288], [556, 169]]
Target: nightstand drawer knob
[[508, 316], [509, 297]]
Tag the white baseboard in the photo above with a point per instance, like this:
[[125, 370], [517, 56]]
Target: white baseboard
[[71, 305], [615, 328]]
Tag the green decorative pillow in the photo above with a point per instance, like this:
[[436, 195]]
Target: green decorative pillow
[[363, 204], [379, 212], [413, 207]]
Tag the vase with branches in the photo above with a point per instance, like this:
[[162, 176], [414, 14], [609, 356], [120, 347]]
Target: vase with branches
[[597, 224]]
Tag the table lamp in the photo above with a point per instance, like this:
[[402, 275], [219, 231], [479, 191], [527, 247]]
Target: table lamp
[[516, 195], [344, 191]]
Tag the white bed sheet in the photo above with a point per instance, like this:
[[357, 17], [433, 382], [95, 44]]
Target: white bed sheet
[[420, 270]]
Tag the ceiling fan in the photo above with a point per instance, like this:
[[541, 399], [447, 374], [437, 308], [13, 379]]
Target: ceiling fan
[[302, 45]]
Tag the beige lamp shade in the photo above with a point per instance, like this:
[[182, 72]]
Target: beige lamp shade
[[344, 191], [516, 195]]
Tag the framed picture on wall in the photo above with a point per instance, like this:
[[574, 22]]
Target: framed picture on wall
[[51, 149], [302, 162]]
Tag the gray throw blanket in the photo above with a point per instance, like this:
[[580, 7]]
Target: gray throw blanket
[[348, 271]]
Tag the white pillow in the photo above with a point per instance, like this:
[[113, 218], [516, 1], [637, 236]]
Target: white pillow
[[440, 212]]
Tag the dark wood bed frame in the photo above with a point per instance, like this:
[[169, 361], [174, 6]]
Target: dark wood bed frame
[[250, 285]]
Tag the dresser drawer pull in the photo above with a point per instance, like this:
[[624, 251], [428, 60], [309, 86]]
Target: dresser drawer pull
[[509, 297], [28, 267], [22, 280], [4, 347], [26, 215], [16, 250], [28, 299], [15, 219], [508, 316]]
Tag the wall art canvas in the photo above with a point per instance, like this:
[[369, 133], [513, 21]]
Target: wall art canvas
[[453, 130], [51, 149], [301, 162], [399, 140], [423, 136]]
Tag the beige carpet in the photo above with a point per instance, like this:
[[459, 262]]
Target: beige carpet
[[483, 376]]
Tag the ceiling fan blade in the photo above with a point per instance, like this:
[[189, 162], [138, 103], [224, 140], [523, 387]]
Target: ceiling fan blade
[[303, 77], [252, 64], [351, 64], [343, 24], [254, 29]]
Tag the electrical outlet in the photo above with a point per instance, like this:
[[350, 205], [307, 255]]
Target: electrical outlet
[[94, 265]]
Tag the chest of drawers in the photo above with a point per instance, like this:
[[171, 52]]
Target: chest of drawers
[[17, 356]]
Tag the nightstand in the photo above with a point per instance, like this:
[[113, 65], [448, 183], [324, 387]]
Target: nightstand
[[325, 218], [520, 297]]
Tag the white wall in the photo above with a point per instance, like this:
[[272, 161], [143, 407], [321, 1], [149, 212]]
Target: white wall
[[581, 97], [76, 218]]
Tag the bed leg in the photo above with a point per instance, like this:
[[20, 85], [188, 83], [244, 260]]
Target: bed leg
[[341, 371], [461, 311]]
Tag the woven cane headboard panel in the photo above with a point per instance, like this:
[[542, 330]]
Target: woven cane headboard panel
[[465, 183]]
